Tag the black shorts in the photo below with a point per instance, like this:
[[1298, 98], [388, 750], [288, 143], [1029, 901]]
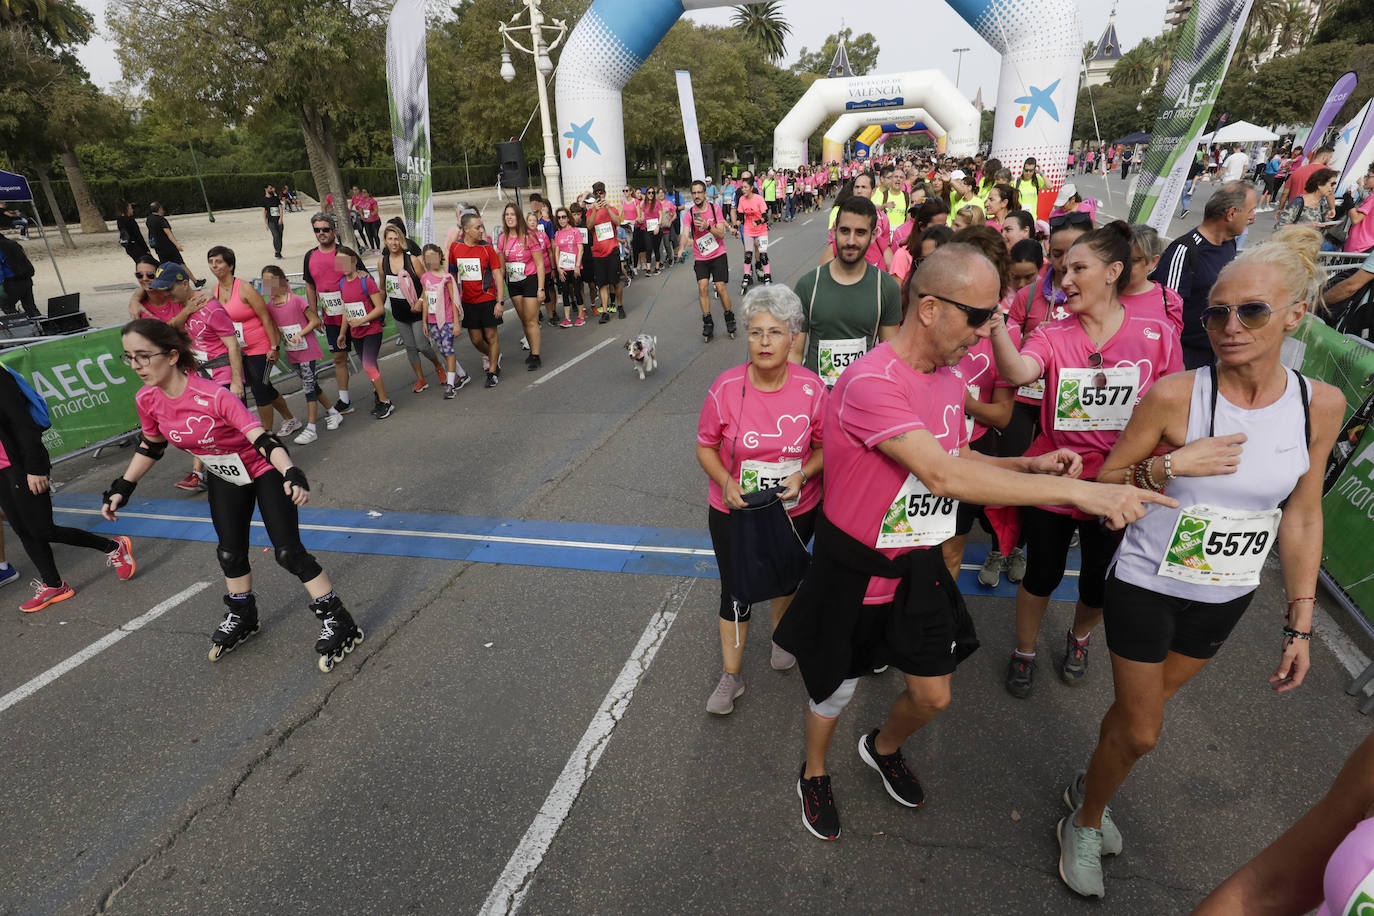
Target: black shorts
[[172, 254], [1047, 535], [528, 287], [333, 333], [478, 315], [718, 523], [1145, 626], [716, 269], [606, 270]]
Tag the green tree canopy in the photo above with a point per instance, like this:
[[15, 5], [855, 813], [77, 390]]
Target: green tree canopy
[[862, 52], [1352, 20], [1290, 90]]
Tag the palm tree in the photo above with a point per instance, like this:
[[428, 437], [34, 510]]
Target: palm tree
[[1134, 71], [1292, 25], [62, 23], [761, 23]]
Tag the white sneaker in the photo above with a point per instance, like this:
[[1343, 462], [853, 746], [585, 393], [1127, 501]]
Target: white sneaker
[[333, 421], [524, 343], [290, 426]]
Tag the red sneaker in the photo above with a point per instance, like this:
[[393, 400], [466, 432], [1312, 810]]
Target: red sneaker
[[122, 558], [190, 482], [44, 595]]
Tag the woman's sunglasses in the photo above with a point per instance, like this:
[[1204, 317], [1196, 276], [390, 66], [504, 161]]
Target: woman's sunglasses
[[142, 276], [1076, 218], [1252, 315]]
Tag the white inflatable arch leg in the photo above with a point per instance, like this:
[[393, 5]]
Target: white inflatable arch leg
[[1041, 43]]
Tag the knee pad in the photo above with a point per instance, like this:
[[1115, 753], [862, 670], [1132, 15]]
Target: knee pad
[[298, 562], [749, 256], [763, 259], [233, 563], [834, 704]]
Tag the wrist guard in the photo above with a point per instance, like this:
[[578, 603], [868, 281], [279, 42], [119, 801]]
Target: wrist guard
[[266, 442], [296, 477], [120, 486]]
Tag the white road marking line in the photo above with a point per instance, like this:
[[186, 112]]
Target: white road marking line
[[448, 535], [572, 362], [509, 891], [1341, 645], [100, 645]]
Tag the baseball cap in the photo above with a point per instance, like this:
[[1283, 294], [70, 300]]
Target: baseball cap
[[169, 274], [957, 173], [1067, 191]]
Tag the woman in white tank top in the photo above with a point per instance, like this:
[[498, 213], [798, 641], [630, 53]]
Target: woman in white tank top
[[1232, 444]]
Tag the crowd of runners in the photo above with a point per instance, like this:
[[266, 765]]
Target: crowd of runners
[[952, 359]]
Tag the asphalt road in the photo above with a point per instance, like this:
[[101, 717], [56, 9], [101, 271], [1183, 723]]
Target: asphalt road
[[525, 722]]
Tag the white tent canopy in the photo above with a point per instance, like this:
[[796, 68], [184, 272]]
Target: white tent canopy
[[1239, 132]]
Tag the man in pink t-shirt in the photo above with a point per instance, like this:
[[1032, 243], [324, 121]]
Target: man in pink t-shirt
[[896, 467]]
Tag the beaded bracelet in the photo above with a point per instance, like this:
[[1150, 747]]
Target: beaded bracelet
[[1168, 468], [1297, 634]]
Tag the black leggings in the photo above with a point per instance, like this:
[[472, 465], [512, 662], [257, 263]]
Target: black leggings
[[373, 236], [231, 510], [31, 518], [257, 370], [1047, 535], [721, 540]]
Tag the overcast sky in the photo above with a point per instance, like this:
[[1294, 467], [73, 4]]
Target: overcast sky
[[919, 43]]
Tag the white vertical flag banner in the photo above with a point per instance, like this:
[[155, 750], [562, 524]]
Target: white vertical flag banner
[[407, 77], [689, 124]]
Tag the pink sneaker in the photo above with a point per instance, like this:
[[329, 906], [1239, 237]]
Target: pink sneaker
[[44, 595], [122, 558], [566, 323], [581, 320]]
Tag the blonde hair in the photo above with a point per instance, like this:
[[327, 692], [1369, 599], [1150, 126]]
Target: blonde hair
[[1293, 252]]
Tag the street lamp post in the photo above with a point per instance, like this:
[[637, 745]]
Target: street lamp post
[[959, 67], [543, 66]]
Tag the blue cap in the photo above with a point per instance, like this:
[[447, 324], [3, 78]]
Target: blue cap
[[169, 274]]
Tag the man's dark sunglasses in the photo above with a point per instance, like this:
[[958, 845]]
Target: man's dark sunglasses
[[976, 317], [1076, 218], [322, 229]]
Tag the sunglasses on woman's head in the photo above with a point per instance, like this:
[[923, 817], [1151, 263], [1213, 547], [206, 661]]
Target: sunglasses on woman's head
[[1252, 315], [1076, 218]]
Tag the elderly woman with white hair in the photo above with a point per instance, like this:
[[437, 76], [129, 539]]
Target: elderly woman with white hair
[[760, 427]]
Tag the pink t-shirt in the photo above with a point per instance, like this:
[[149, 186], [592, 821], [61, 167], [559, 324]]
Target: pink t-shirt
[[4, 459], [568, 242], [631, 211], [165, 312], [205, 420], [516, 250], [439, 289], [1349, 872], [1150, 344], [751, 210], [1361, 237], [747, 424], [710, 216], [880, 396], [901, 264], [1159, 302], [290, 319], [667, 215], [902, 233], [208, 327], [322, 275], [978, 369], [360, 289]]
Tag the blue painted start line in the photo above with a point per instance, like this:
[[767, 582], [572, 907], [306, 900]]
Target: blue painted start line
[[516, 542]]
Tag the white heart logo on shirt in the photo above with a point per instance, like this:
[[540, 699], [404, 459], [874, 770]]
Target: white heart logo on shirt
[[1145, 367], [955, 413], [983, 362], [791, 429], [197, 431]]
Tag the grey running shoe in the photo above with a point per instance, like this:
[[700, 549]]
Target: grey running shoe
[[1016, 565], [290, 426], [991, 573], [1020, 676], [1075, 665], [1080, 857], [781, 659], [722, 700], [1073, 799]]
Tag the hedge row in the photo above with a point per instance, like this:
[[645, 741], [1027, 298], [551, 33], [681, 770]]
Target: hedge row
[[182, 194]]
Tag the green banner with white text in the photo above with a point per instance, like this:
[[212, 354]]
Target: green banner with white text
[[90, 393]]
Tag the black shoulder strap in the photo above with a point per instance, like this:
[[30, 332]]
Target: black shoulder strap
[[1302, 393], [1212, 419]]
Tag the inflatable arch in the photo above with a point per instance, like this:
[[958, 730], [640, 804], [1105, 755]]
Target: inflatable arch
[[870, 140], [1039, 40], [903, 121], [929, 89]]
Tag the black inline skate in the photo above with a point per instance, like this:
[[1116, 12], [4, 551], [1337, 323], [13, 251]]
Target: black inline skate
[[338, 633], [240, 622], [708, 328], [744, 284], [730, 323]]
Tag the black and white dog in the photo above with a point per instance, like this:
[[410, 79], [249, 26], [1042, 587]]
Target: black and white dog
[[641, 350]]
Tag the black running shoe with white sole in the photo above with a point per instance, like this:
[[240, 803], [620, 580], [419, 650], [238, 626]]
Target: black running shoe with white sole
[[900, 782], [819, 814]]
